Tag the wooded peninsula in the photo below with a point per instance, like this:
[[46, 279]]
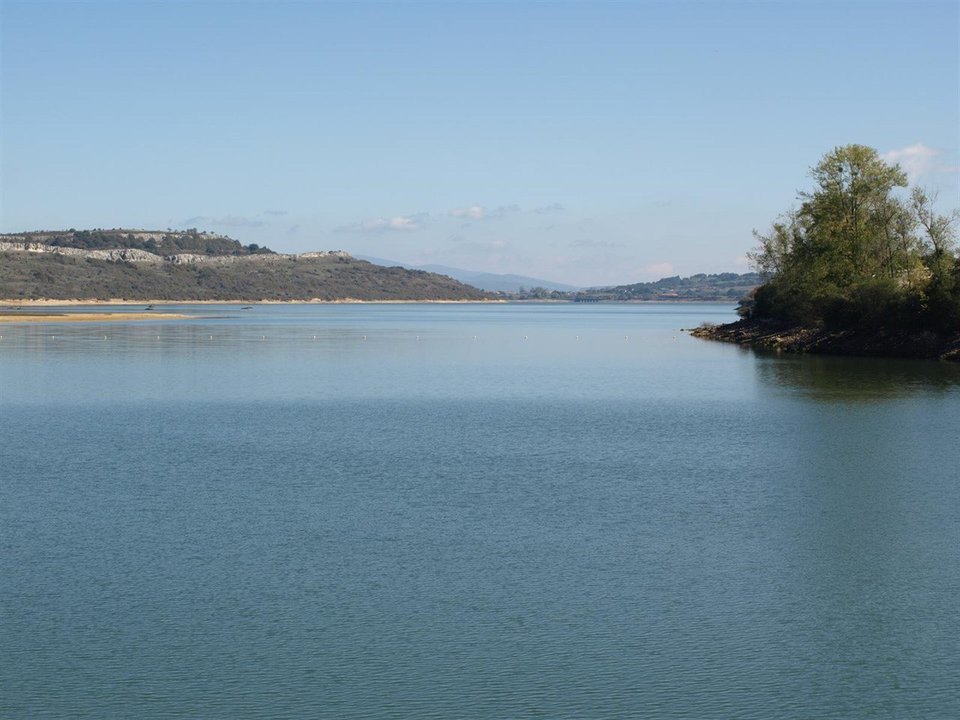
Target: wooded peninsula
[[864, 266]]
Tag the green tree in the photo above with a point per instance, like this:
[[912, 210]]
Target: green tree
[[939, 236], [852, 220], [857, 251]]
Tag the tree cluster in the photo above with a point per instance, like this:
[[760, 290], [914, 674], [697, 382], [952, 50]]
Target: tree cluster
[[863, 251], [715, 287]]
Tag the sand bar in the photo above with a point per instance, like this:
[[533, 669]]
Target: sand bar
[[43, 302], [8, 317]]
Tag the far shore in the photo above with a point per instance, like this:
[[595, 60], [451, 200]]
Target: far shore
[[6, 305], [44, 302]]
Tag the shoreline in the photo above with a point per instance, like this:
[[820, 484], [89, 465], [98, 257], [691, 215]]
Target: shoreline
[[6, 304], [783, 337], [33, 317]]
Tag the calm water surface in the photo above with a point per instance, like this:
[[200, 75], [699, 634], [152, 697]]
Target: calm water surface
[[436, 511]]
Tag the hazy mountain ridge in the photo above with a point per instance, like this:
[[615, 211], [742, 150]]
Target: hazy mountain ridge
[[493, 282]]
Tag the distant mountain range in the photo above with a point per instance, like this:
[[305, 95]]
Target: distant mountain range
[[493, 282]]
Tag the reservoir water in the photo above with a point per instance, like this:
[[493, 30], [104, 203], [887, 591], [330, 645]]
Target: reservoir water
[[471, 511]]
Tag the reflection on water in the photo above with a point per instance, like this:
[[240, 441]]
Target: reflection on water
[[316, 353], [867, 458], [852, 379]]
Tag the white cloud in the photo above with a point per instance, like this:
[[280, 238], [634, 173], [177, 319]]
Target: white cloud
[[480, 212], [474, 212], [660, 269], [404, 222], [380, 224], [916, 160]]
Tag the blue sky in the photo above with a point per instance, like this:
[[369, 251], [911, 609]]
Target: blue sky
[[584, 142]]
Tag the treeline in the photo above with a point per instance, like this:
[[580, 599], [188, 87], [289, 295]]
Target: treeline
[[171, 242], [705, 287], [863, 251], [702, 287]]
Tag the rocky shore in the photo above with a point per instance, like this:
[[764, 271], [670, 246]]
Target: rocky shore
[[797, 339]]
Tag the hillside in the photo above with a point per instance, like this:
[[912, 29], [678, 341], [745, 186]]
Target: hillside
[[33, 268], [705, 288]]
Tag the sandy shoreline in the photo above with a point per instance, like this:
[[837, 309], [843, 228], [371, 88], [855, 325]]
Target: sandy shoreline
[[20, 317], [8, 304]]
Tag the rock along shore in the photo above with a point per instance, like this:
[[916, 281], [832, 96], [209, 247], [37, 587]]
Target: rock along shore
[[797, 339]]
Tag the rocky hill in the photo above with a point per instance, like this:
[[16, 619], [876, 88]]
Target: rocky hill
[[719, 287], [158, 242], [117, 264], [728, 287]]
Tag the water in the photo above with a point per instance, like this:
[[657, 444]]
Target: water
[[435, 511]]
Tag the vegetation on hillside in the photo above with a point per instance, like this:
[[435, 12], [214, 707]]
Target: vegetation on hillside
[[30, 276], [169, 242], [700, 287], [703, 287], [862, 252]]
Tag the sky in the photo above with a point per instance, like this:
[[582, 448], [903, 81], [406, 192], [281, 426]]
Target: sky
[[591, 143]]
